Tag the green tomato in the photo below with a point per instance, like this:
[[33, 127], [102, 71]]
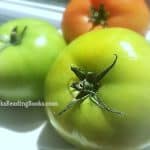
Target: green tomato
[[28, 48], [101, 83]]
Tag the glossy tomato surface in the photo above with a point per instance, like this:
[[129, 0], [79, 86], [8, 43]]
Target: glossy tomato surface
[[124, 88], [28, 47], [83, 16]]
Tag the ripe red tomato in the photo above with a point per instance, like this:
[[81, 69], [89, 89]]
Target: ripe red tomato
[[82, 16]]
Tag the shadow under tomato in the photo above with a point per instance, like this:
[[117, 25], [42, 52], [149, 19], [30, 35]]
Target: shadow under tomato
[[50, 139], [21, 119]]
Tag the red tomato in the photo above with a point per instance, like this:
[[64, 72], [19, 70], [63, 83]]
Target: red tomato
[[82, 16]]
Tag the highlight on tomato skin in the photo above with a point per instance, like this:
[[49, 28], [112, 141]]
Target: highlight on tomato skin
[[83, 16]]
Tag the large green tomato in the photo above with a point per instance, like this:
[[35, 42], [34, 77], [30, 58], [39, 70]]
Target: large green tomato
[[28, 47], [101, 83]]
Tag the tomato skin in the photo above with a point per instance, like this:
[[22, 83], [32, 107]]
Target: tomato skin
[[132, 14], [125, 88], [23, 67]]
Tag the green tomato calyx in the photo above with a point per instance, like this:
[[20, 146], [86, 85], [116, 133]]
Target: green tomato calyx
[[15, 38], [87, 87], [99, 16]]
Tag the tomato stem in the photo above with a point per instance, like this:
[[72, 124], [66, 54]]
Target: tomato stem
[[87, 87], [15, 38], [99, 16]]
